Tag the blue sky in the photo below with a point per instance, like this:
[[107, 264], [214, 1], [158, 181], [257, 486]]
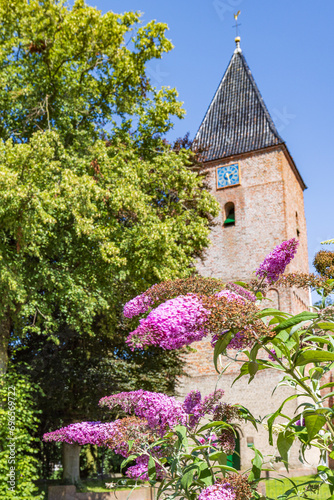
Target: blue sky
[[289, 46]]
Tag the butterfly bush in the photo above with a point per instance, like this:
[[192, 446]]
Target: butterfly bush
[[196, 407], [235, 487], [173, 324], [150, 415], [114, 435], [230, 296], [240, 290], [211, 439], [170, 289], [138, 305], [140, 470], [276, 261], [240, 340], [81, 433], [218, 492], [192, 399], [188, 318], [161, 412], [227, 441]]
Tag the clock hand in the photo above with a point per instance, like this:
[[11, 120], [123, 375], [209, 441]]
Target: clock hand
[[227, 177]]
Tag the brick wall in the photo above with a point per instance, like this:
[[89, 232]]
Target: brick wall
[[269, 208]]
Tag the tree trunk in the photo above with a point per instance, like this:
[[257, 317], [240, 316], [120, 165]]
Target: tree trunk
[[71, 462], [4, 340]]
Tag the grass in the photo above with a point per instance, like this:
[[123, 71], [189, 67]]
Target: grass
[[275, 488], [98, 486], [89, 485]]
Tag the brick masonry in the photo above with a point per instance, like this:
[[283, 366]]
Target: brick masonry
[[269, 208]]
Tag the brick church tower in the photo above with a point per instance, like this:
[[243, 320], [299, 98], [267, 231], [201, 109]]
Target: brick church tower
[[255, 180], [260, 191]]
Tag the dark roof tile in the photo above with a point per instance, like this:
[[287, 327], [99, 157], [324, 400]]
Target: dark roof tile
[[237, 120]]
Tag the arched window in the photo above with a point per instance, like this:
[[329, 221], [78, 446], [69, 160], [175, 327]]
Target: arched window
[[229, 214], [272, 299]]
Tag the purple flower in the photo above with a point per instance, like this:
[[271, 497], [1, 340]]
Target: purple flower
[[230, 296], [239, 341], [218, 491], [210, 439], [301, 422], [82, 433], [192, 399], [240, 290], [138, 305], [140, 470], [276, 261], [197, 407], [173, 324], [161, 412]]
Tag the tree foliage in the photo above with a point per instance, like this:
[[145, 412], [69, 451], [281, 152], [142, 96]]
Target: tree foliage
[[19, 420], [75, 229], [74, 70], [95, 205]]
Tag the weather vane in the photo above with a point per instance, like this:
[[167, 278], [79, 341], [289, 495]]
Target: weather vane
[[236, 23]]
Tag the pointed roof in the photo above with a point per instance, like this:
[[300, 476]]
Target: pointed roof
[[237, 120]]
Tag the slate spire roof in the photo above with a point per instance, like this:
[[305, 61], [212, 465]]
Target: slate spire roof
[[237, 120]]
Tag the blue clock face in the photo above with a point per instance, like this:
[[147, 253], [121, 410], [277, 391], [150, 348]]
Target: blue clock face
[[228, 176]]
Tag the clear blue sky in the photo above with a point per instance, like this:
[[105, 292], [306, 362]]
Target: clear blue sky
[[289, 46]]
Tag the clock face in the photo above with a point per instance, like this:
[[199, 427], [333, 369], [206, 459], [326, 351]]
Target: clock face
[[228, 176]]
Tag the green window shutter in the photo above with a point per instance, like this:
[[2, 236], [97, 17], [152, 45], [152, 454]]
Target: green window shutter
[[230, 219]]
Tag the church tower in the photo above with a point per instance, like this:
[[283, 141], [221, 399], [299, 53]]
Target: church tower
[[260, 191], [255, 180]]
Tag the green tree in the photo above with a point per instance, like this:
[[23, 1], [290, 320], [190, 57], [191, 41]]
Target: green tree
[[87, 217], [79, 233], [75, 70], [19, 420]]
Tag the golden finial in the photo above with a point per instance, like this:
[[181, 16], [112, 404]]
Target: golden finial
[[237, 37]]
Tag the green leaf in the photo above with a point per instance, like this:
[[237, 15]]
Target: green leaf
[[254, 351], [313, 424], [309, 356], [181, 432], [330, 384], [257, 464], [253, 367], [304, 316], [226, 467], [244, 369], [218, 424], [188, 474], [277, 413], [205, 475], [246, 415], [127, 460], [152, 473], [220, 347], [271, 312], [326, 325], [284, 442], [130, 443], [217, 455]]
